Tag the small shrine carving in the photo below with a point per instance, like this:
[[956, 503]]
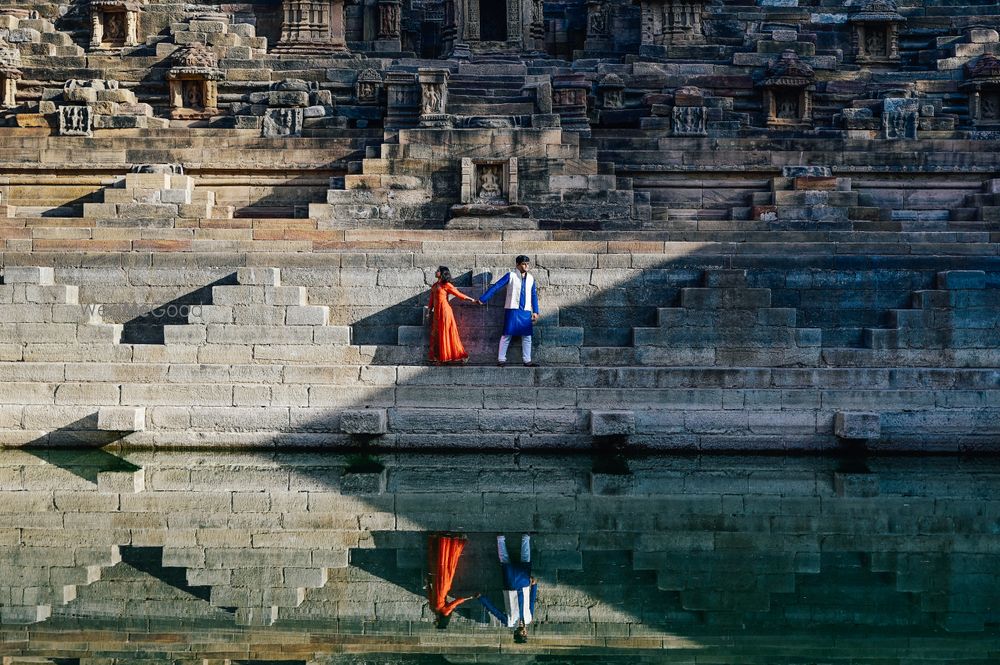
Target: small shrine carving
[[75, 121], [114, 23], [983, 88], [875, 32], [611, 92], [368, 87], [193, 83], [788, 87]]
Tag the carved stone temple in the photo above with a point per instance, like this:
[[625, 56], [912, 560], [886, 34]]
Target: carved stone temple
[[754, 225]]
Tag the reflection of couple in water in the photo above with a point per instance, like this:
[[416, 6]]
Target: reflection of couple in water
[[520, 588]]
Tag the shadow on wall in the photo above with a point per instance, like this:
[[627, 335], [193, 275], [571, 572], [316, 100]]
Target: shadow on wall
[[147, 327]]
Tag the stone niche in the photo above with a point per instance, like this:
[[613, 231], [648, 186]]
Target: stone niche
[[10, 74], [311, 27], [491, 181], [788, 86], [491, 25], [368, 87], [983, 88], [875, 32], [611, 92], [489, 190], [114, 23], [193, 81]]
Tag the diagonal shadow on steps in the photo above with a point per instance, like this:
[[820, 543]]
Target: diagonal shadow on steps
[[150, 561], [147, 327]]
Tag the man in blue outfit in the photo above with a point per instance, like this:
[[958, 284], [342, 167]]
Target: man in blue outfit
[[520, 309], [520, 590]]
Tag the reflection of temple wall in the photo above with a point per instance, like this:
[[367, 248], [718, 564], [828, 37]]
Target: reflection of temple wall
[[696, 551]]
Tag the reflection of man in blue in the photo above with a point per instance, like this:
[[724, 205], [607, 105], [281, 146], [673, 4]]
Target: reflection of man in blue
[[520, 590], [520, 309]]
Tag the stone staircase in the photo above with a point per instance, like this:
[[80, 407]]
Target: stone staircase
[[727, 323], [961, 313], [476, 93]]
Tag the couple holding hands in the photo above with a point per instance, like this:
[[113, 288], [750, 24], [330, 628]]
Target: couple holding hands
[[520, 312]]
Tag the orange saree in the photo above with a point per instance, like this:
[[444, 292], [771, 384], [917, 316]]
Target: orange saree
[[445, 344], [443, 553]]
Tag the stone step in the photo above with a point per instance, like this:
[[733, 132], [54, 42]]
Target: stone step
[[484, 107]]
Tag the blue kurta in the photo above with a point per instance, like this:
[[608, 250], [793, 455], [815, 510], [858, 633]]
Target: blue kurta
[[519, 306]]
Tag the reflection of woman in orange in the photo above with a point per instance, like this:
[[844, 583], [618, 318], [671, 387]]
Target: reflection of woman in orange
[[446, 346], [443, 552]]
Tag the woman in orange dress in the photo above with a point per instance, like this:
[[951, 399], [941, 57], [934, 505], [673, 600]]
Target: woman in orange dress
[[446, 346], [443, 552]]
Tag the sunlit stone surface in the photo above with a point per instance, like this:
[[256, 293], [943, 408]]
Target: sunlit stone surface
[[190, 558]]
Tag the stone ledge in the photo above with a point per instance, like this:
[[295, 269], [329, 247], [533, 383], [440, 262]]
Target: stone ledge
[[857, 425], [121, 419], [364, 421]]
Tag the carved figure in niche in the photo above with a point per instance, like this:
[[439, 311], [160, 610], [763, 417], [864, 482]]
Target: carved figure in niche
[[599, 22], [787, 106], [114, 27], [875, 43], [990, 106], [432, 99], [388, 20], [193, 97], [490, 176]]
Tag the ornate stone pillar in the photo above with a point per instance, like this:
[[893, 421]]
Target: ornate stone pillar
[[402, 100], [599, 18], [569, 100], [389, 19], [536, 31], [433, 97], [312, 27]]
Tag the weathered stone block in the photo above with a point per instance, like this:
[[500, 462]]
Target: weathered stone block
[[307, 315], [43, 276], [857, 425], [364, 421], [121, 418], [612, 423], [258, 276]]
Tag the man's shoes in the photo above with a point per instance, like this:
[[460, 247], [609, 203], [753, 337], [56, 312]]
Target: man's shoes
[[531, 364], [501, 363]]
